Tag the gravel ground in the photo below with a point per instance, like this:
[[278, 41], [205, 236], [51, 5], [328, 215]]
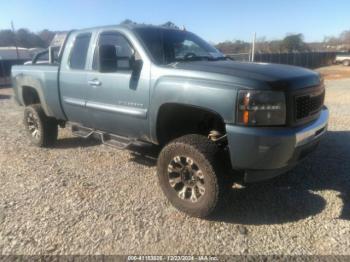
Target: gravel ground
[[335, 72], [84, 198]]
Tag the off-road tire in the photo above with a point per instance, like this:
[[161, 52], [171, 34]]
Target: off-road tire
[[47, 127], [205, 154]]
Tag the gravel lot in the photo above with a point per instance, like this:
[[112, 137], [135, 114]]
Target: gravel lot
[[335, 72], [84, 198]]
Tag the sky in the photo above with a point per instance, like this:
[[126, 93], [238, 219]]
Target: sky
[[215, 21]]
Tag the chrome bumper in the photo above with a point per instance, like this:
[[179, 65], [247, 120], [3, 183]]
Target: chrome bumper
[[314, 131]]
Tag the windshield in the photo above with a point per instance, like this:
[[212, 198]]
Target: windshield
[[168, 45]]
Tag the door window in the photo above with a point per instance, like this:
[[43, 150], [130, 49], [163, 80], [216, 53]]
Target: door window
[[124, 50], [79, 51]]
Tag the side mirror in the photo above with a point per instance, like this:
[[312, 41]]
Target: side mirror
[[135, 62], [108, 61], [136, 66]]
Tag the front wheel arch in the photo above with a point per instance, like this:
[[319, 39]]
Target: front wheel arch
[[175, 120]]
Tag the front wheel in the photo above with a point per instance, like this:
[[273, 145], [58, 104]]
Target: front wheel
[[41, 130], [189, 175]]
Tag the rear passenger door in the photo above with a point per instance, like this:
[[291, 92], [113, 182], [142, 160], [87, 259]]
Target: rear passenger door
[[73, 78]]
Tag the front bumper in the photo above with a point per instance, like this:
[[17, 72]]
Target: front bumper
[[267, 152]]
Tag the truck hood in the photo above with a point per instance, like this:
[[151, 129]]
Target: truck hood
[[277, 76]]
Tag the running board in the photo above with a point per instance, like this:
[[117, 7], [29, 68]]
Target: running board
[[119, 142], [82, 131], [116, 141]]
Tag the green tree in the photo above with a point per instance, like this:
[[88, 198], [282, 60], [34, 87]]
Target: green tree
[[7, 38], [345, 37], [27, 39], [46, 36], [231, 47], [294, 43]]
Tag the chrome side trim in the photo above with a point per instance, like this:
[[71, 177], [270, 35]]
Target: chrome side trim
[[74, 101], [125, 110], [314, 131]]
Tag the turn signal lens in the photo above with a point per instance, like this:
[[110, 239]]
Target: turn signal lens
[[245, 117]]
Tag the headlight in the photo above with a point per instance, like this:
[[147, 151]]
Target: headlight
[[261, 108]]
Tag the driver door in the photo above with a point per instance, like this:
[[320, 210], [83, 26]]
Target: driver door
[[118, 100]]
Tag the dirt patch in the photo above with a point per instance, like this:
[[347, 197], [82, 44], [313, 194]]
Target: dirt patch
[[334, 72], [5, 91]]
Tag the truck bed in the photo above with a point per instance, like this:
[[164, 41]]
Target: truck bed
[[44, 79]]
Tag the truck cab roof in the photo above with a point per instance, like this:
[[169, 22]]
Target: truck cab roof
[[126, 26]]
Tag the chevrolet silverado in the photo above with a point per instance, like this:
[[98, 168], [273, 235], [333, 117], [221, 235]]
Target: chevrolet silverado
[[210, 115]]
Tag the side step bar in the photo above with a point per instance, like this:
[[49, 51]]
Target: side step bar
[[116, 141], [119, 142], [81, 131]]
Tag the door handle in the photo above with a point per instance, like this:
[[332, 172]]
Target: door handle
[[94, 82]]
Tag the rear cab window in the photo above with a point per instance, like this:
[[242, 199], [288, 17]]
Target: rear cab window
[[79, 51]]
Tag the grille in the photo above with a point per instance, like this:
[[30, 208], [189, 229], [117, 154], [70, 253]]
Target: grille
[[308, 105]]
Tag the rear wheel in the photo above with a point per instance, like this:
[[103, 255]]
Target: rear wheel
[[346, 62], [189, 175], [41, 130]]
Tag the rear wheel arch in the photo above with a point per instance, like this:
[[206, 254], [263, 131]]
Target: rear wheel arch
[[175, 120], [33, 94], [30, 96]]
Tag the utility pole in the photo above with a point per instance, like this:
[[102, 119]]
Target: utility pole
[[14, 33], [253, 48]]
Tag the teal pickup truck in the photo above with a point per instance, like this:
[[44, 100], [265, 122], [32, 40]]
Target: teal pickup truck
[[211, 115]]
